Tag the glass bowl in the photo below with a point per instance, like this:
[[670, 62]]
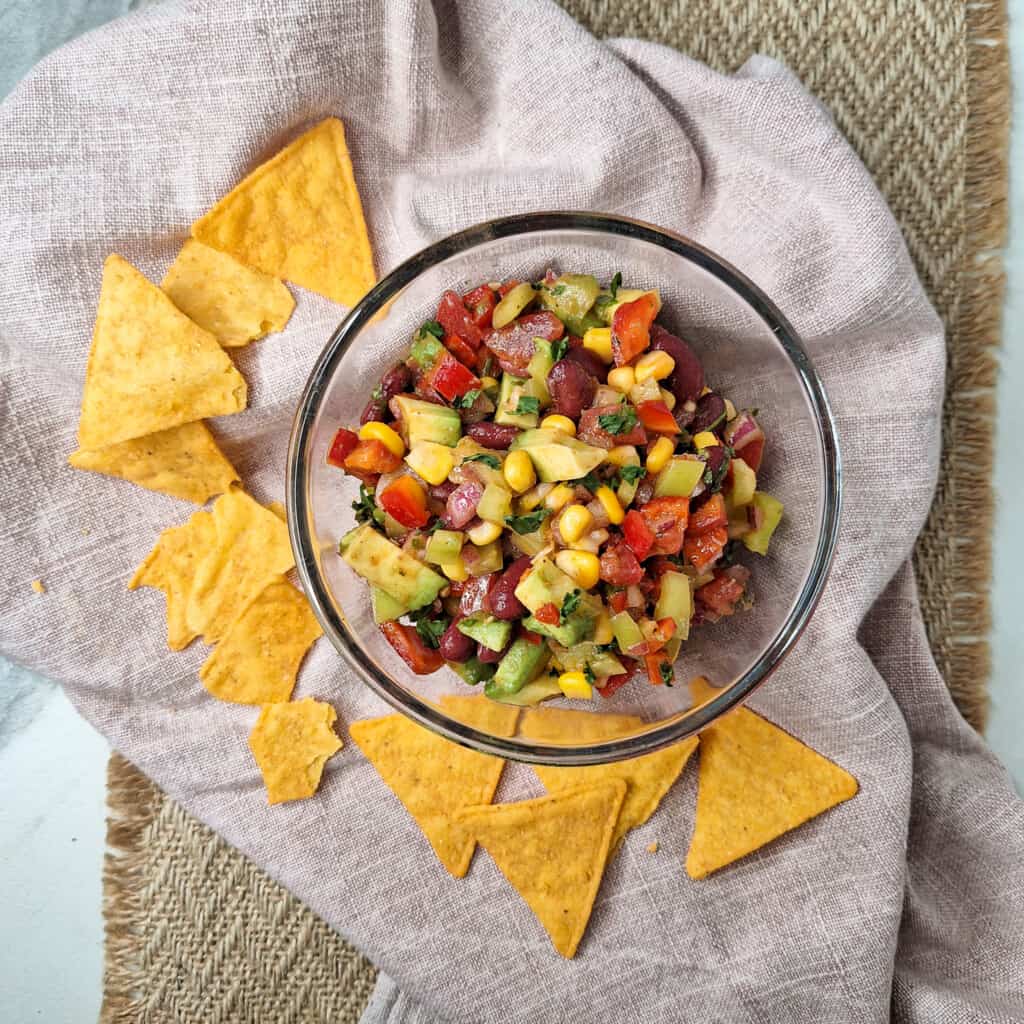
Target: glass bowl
[[750, 353]]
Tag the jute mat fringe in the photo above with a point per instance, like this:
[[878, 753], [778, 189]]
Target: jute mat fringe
[[195, 933]]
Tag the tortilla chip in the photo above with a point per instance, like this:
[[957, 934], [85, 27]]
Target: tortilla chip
[[251, 548], [183, 462], [434, 779], [291, 744], [258, 660], [648, 779], [278, 509], [171, 566], [481, 713], [298, 217], [756, 783], [553, 851], [563, 725], [234, 303], [149, 367]]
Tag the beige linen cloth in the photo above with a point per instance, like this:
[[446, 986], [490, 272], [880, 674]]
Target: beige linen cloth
[[907, 900]]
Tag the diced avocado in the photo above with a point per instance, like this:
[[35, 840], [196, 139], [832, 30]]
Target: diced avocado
[[627, 632], [539, 368], [744, 484], [542, 688], [587, 655], [605, 309], [679, 477], [473, 671], [513, 391], [426, 350], [495, 504], [444, 546], [485, 464], [627, 488], [571, 298], [577, 627], [543, 583], [385, 607], [512, 304], [522, 663], [770, 510], [675, 601], [424, 421], [394, 529], [487, 630], [481, 560], [527, 543], [556, 456], [387, 566]]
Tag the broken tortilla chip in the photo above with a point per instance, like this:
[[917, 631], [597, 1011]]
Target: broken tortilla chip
[[481, 713], [553, 852], [299, 217], [230, 300], [756, 783], [258, 660], [563, 725], [291, 744], [171, 567], [433, 778], [150, 367], [183, 462], [251, 549]]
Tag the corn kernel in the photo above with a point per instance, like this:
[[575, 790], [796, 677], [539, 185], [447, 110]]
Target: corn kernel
[[668, 398], [658, 455], [557, 422], [705, 439], [611, 505], [483, 533], [374, 431], [622, 455], [582, 567], [558, 497], [653, 366], [730, 410], [603, 628], [574, 684], [622, 378], [518, 471], [534, 496], [599, 341], [456, 570], [432, 461], [704, 391], [576, 520]]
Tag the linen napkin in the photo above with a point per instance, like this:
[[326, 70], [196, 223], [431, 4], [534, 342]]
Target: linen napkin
[[906, 899]]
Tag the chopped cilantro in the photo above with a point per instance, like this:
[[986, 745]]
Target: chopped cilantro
[[429, 629], [588, 674], [558, 289], [491, 461], [708, 476], [602, 303], [667, 675], [466, 401], [607, 648], [432, 327], [377, 394], [589, 481], [631, 473], [559, 348], [529, 523], [613, 288], [570, 603], [528, 405], [622, 421], [538, 286], [365, 508]]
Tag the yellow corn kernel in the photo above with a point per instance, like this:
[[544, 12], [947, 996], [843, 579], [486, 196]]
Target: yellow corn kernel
[[374, 431], [622, 455], [534, 496], [558, 422], [483, 533], [730, 410], [576, 520], [704, 391], [603, 628], [489, 384], [611, 505], [658, 455], [582, 567], [622, 378], [558, 497], [668, 398], [653, 366], [705, 439], [456, 570], [432, 461], [518, 471], [599, 341], [574, 684]]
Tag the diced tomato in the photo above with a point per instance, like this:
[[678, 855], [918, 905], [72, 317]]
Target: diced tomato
[[371, 457], [464, 353], [590, 430], [653, 663], [405, 501], [529, 636], [513, 344], [411, 648], [709, 516], [705, 549], [481, 303], [721, 594], [664, 631], [666, 518], [548, 614], [752, 453], [505, 288], [450, 379], [344, 441], [657, 417], [618, 601], [619, 565], [639, 536], [614, 683], [453, 316], [631, 327]]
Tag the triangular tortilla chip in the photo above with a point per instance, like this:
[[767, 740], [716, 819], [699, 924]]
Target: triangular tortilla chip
[[149, 367], [756, 783], [433, 777], [298, 217], [258, 659], [291, 744], [235, 303], [648, 779], [553, 851], [171, 567], [183, 462], [481, 713], [250, 550], [563, 725]]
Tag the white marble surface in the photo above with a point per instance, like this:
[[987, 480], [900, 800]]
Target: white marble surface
[[52, 763]]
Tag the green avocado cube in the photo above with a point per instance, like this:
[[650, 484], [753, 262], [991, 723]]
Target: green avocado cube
[[522, 663], [425, 421], [385, 607], [556, 456], [770, 510], [542, 688], [386, 566], [627, 632], [539, 368], [495, 504], [679, 477], [485, 629], [473, 671], [675, 601], [519, 402], [571, 298], [444, 546]]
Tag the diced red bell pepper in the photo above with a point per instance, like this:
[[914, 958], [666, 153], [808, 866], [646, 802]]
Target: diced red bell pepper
[[411, 649], [619, 565], [656, 416], [465, 354], [548, 614], [653, 663], [721, 594], [666, 518], [705, 549], [709, 516], [639, 536], [664, 631], [344, 441], [371, 457], [631, 328], [591, 432], [481, 302], [405, 501], [453, 316], [450, 379], [614, 683]]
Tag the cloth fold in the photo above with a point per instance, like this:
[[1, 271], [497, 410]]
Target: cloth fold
[[909, 897]]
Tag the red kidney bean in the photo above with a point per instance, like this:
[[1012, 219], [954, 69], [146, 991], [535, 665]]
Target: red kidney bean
[[394, 382], [489, 657], [718, 463], [502, 600], [644, 492], [687, 379], [590, 361], [497, 436], [710, 413], [462, 503], [572, 388], [474, 593], [456, 646]]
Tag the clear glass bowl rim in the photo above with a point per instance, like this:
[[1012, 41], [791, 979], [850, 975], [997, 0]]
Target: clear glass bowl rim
[[427, 714]]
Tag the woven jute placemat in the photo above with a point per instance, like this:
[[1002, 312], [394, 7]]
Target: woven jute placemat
[[195, 933]]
